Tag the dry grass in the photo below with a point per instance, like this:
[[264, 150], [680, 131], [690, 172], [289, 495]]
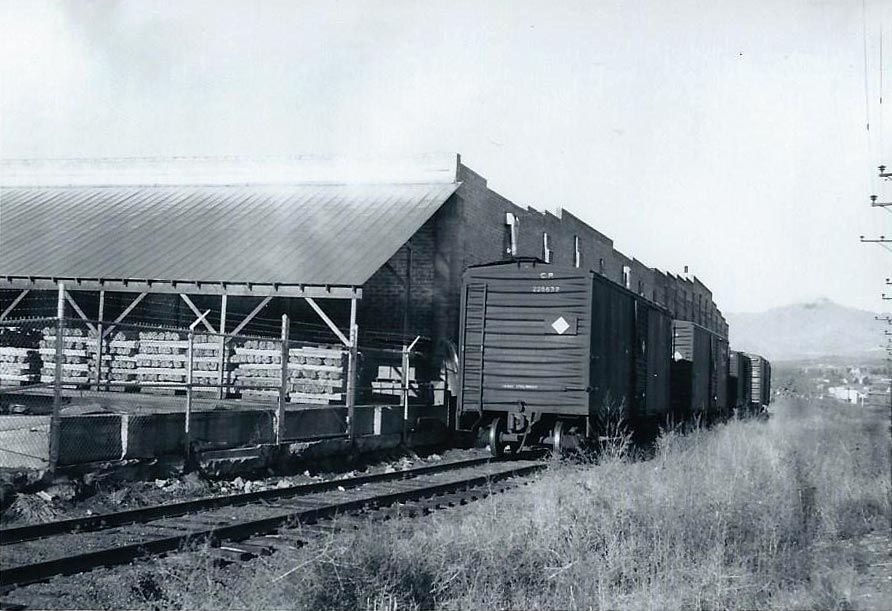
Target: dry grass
[[746, 515]]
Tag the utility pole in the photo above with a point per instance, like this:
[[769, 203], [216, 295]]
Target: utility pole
[[883, 241]]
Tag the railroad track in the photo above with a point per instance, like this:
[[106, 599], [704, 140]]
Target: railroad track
[[237, 525]]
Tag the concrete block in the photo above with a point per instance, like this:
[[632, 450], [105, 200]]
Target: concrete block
[[389, 420], [315, 422], [153, 435], [231, 429], [89, 438]]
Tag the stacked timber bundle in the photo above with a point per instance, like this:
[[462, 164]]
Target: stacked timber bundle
[[78, 356], [315, 374], [206, 362], [119, 360], [390, 382], [161, 358], [19, 359], [163, 355]]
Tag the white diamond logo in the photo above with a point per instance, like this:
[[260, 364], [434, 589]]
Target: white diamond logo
[[560, 325]]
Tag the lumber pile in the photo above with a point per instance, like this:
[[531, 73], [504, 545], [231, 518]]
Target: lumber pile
[[119, 360], [162, 358], [389, 381], [19, 359], [78, 356], [316, 375]]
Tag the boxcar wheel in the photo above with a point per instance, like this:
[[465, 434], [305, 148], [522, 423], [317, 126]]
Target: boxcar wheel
[[496, 448], [557, 439]]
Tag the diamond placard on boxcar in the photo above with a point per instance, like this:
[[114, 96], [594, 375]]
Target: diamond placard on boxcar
[[560, 325]]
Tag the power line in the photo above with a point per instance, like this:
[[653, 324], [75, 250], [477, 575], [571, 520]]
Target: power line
[[866, 89]]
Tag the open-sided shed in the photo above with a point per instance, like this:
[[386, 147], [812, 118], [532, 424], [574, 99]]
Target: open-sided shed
[[255, 231]]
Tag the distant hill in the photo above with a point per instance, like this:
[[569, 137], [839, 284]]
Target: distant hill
[[821, 328]]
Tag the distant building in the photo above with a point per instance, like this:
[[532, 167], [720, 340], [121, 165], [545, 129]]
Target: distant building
[[849, 395]]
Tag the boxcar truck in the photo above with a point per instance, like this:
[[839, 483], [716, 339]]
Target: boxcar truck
[[761, 383], [740, 383], [699, 374], [555, 355]]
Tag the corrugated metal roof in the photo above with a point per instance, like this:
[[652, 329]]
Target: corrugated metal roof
[[175, 171], [298, 234]]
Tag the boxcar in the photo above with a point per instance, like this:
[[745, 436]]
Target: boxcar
[[739, 382], [761, 382], [552, 354], [699, 373]]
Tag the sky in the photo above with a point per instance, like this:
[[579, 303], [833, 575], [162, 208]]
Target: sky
[[727, 136]]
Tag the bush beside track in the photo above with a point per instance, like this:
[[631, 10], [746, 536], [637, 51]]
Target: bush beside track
[[745, 515]]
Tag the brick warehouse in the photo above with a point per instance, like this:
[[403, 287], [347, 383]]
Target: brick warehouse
[[414, 278]]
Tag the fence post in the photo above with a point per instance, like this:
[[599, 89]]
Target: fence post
[[283, 386], [55, 419], [405, 381], [404, 377], [187, 430], [351, 375]]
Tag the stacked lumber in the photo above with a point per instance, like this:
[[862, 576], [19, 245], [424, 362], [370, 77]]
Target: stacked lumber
[[19, 359], [119, 359], [315, 374], [162, 358], [389, 381], [78, 356]]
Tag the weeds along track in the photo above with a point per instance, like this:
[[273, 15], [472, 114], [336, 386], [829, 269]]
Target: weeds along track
[[244, 525]]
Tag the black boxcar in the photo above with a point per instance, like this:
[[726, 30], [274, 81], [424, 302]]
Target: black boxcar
[[761, 382], [740, 382], [550, 354], [699, 373]]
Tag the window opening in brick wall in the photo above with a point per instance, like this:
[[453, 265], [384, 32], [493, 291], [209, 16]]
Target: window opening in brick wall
[[546, 249], [511, 234], [601, 265], [627, 277], [577, 256]]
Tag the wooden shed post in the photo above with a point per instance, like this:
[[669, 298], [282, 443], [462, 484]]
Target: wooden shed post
[[55, 419], [351, 373], [222, 364], [99, 338], [283, 386]]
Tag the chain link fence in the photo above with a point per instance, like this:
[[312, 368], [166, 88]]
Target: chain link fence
[[75, 390]]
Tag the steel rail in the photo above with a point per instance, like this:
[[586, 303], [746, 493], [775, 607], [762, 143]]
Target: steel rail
[[13, 577], [18, 534]]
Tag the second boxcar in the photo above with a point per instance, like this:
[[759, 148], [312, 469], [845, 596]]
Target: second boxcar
[[699, 373], [739, 382], [553, 354]]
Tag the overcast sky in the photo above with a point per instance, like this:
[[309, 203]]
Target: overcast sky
[[728, 136]]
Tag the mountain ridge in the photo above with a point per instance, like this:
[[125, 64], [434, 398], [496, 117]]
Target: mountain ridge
[[808, 330]]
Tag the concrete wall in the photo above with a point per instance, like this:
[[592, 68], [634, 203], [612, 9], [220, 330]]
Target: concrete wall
[[24, 440]]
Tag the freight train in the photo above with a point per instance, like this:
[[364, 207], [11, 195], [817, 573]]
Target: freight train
[[558, 356]]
